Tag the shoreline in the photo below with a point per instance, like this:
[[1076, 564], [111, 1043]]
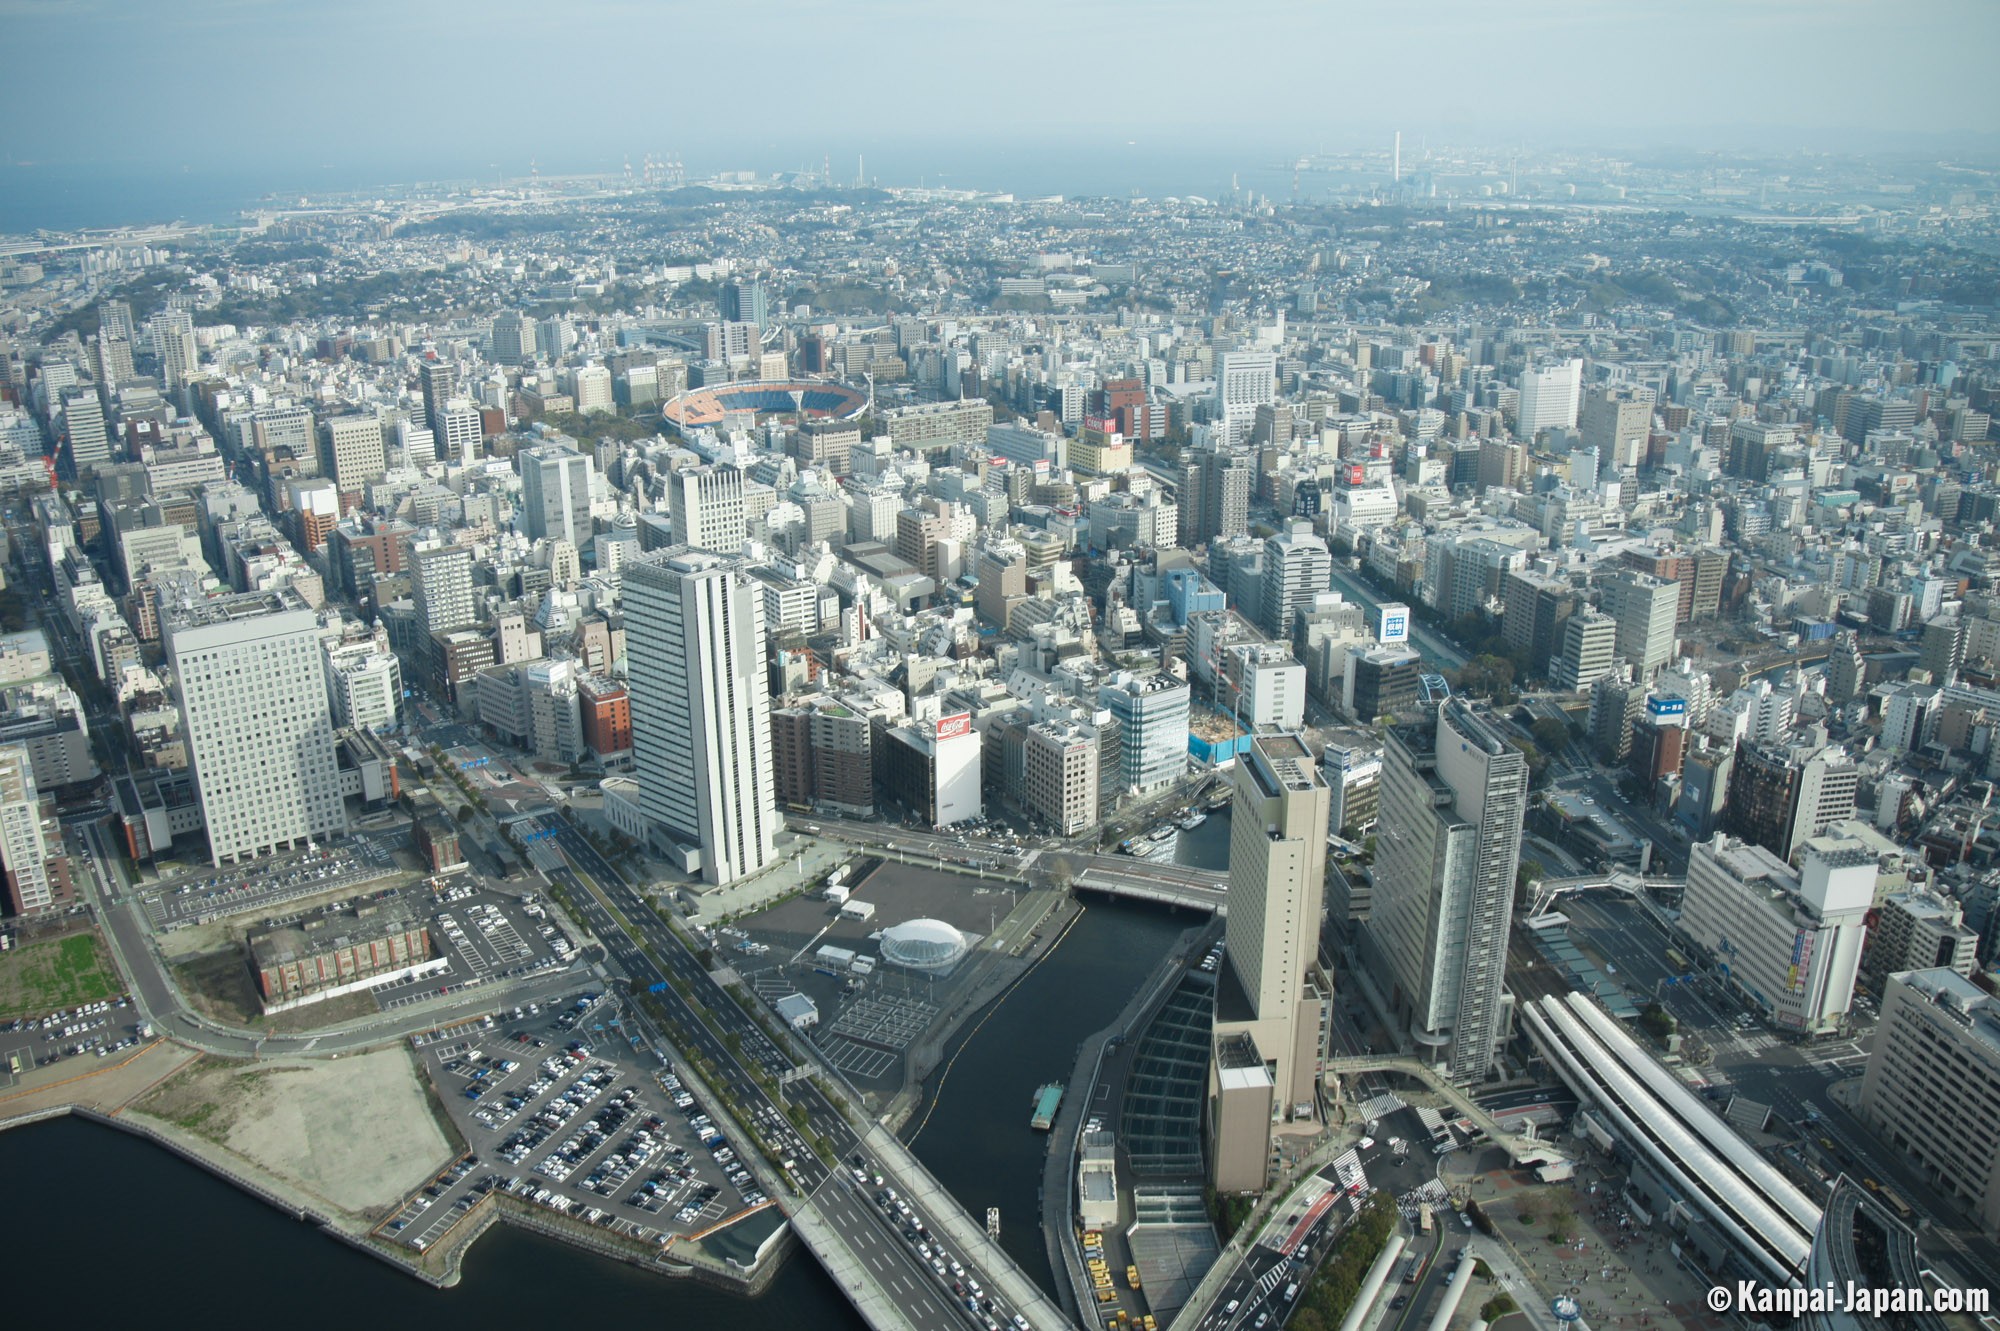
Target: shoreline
[[450, 1253]]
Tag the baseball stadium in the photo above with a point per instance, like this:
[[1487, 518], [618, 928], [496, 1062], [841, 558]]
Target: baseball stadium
[[706, 407]]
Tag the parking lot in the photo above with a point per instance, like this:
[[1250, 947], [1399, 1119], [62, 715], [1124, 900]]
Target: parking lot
[[93, 1030], [345, 868], [561, 1109], [485, 935]]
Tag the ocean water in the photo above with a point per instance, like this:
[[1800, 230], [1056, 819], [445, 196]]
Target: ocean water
[[67, 197]]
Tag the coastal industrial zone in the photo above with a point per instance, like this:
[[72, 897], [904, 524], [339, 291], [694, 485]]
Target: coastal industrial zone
[[570, 702]]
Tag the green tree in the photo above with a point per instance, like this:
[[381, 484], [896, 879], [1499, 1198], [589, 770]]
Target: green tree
[[1550, 733]]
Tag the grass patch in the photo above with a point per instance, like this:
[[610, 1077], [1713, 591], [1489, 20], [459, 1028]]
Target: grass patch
[[41, 977], [195, 1120]]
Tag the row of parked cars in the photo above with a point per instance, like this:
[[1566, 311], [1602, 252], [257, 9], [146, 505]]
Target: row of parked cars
[[67, 1016]]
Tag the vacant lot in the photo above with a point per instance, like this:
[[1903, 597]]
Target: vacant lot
[[357, 1131], [60, 973]]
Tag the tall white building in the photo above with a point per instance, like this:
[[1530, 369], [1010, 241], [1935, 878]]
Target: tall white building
[[1788, 941], [84, 429], [590, 385], [174, 343], [701, 726], [1549, 399], [251, 685], [1244, 381], [555, 494], [352, 451], [458, 434], [364, 685], [1152, 711], [416, 446], [30, 886], [705, 504], [1297, 568], [1449, 841]]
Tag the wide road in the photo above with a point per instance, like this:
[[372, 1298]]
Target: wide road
[[643, 946], [1436, 649]]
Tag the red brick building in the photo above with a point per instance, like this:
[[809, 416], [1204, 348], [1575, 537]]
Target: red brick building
[[607, 721]]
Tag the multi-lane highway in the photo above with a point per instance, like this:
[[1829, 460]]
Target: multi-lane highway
[[886, 1236]]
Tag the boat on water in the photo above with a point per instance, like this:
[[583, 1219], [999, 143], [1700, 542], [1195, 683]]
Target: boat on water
[[1160, 833], [1193, 820], [1219, 802], [1047, 1099]]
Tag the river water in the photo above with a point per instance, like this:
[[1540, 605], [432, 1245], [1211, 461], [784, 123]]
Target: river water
[[120, 1229]]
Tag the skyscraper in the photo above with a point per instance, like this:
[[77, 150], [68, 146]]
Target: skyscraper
[[513, 337], [1617, 426], [439, 380], [1297, 567], [701, 731], [1549, 398], [441, 584], [84, 434], [458, 434], [1214, 498], [706, 505], [1449, 842], [1778, 797], [555, 494], [175, 345], [1271, 995], [1645, 609], [1153, 710], [33, 884], [743, 302], [252, 693]]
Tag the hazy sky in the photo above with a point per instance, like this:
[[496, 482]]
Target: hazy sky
[[407, 87]]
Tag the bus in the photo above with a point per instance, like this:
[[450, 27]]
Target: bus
[[1677, 961], [1424, 1218], [1898, 1205]]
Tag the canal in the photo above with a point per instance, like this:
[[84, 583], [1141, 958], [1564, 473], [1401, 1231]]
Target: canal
[[972, 1132]]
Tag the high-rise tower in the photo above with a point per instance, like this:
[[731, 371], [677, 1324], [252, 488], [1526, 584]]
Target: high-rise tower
[[701, 725], [1449, 842], [1271, 995], [252, 693]]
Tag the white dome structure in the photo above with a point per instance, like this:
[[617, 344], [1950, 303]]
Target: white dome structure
[[923, 945]]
